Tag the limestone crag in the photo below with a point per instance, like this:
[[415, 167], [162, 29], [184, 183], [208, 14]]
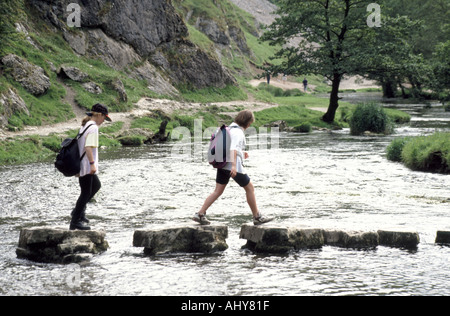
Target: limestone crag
[[59, 245], [31, 77], [125, 32], [10, 103], [182, 238]]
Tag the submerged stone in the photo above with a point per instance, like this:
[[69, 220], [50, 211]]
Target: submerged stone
[[60, 245], [190, 238]]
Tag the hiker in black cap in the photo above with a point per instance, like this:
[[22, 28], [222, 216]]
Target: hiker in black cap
[[88, 178]]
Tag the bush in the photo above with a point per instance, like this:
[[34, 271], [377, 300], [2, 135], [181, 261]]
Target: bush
[[428, 153], [303, 128], [370, 117], [395, 149]]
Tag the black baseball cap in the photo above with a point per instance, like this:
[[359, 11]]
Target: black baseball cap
[[100, 108]]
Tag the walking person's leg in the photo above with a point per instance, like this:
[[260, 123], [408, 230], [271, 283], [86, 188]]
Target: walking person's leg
[[258, 218], [218, 191], [83, 199], [251, 199]]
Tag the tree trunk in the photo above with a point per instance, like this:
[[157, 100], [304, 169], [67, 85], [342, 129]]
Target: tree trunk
[[334, 99], [389, 88]]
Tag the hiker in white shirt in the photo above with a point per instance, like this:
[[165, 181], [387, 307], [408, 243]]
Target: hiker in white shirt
[[235, 170], [88, 177]]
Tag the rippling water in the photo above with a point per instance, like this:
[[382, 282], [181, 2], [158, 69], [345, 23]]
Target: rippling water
[[322, 179]]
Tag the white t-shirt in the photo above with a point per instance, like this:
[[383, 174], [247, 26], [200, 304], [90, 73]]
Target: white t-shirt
[[89, 139], [238, 143]]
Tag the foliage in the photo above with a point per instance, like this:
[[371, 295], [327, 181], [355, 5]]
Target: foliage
[[370, 117], [303, 128], [395, 149], [293, 115], [212, 94], [278, 92], [428, 153], [344, 44]]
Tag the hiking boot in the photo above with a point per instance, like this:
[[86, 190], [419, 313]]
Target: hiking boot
[[83, 216], [261, 220], [201, 219], [78, 226]]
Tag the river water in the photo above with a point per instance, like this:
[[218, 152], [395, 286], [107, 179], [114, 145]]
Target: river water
[[323, 180]]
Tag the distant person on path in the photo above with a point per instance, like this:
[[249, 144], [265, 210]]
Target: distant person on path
[[268, 77], [88, 178], [235, 170], [284, 78], [305, 85]]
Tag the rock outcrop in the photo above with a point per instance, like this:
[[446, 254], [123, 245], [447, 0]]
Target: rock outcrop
[[59, 245], [10, 103], [31, 77], [125, 32], [189, 238], [73, 73]]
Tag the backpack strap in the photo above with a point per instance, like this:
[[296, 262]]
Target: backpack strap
[[79, 136]]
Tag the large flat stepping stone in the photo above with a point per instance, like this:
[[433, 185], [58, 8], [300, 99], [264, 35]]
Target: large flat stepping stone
[[399, 238], [60, 245], [270, 238], [183, 238], [351, 239], [443, 237]]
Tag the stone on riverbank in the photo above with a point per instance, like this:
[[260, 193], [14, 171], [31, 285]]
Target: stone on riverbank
[[443, 237], [59, 245], [396, 238], [191, 238]]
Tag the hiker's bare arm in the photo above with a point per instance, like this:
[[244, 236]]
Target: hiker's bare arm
[[90, 157], [233, 163]]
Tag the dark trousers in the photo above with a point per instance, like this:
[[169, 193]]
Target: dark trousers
[[90, 185]]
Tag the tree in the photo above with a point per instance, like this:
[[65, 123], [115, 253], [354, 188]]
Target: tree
[[335, 39]]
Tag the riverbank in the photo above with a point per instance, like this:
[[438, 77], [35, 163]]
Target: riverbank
[[139, 126]]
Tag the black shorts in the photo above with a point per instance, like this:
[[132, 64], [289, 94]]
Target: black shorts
[[223, 177]]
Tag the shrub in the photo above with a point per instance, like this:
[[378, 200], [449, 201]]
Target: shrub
[[395, 149], [303, 128], [370, 117], [428, 153]]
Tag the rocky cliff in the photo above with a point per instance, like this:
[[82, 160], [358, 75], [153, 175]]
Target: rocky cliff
[[127, 32]]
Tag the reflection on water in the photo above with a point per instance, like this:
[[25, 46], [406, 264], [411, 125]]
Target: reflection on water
[[321, 179]]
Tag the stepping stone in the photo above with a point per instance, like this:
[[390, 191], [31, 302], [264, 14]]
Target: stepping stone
[[187, 238], [443, 237], [270, 238], [398, 238], [351, 239], [60, 245]]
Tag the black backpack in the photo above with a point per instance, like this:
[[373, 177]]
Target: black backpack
[[68, 161]]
